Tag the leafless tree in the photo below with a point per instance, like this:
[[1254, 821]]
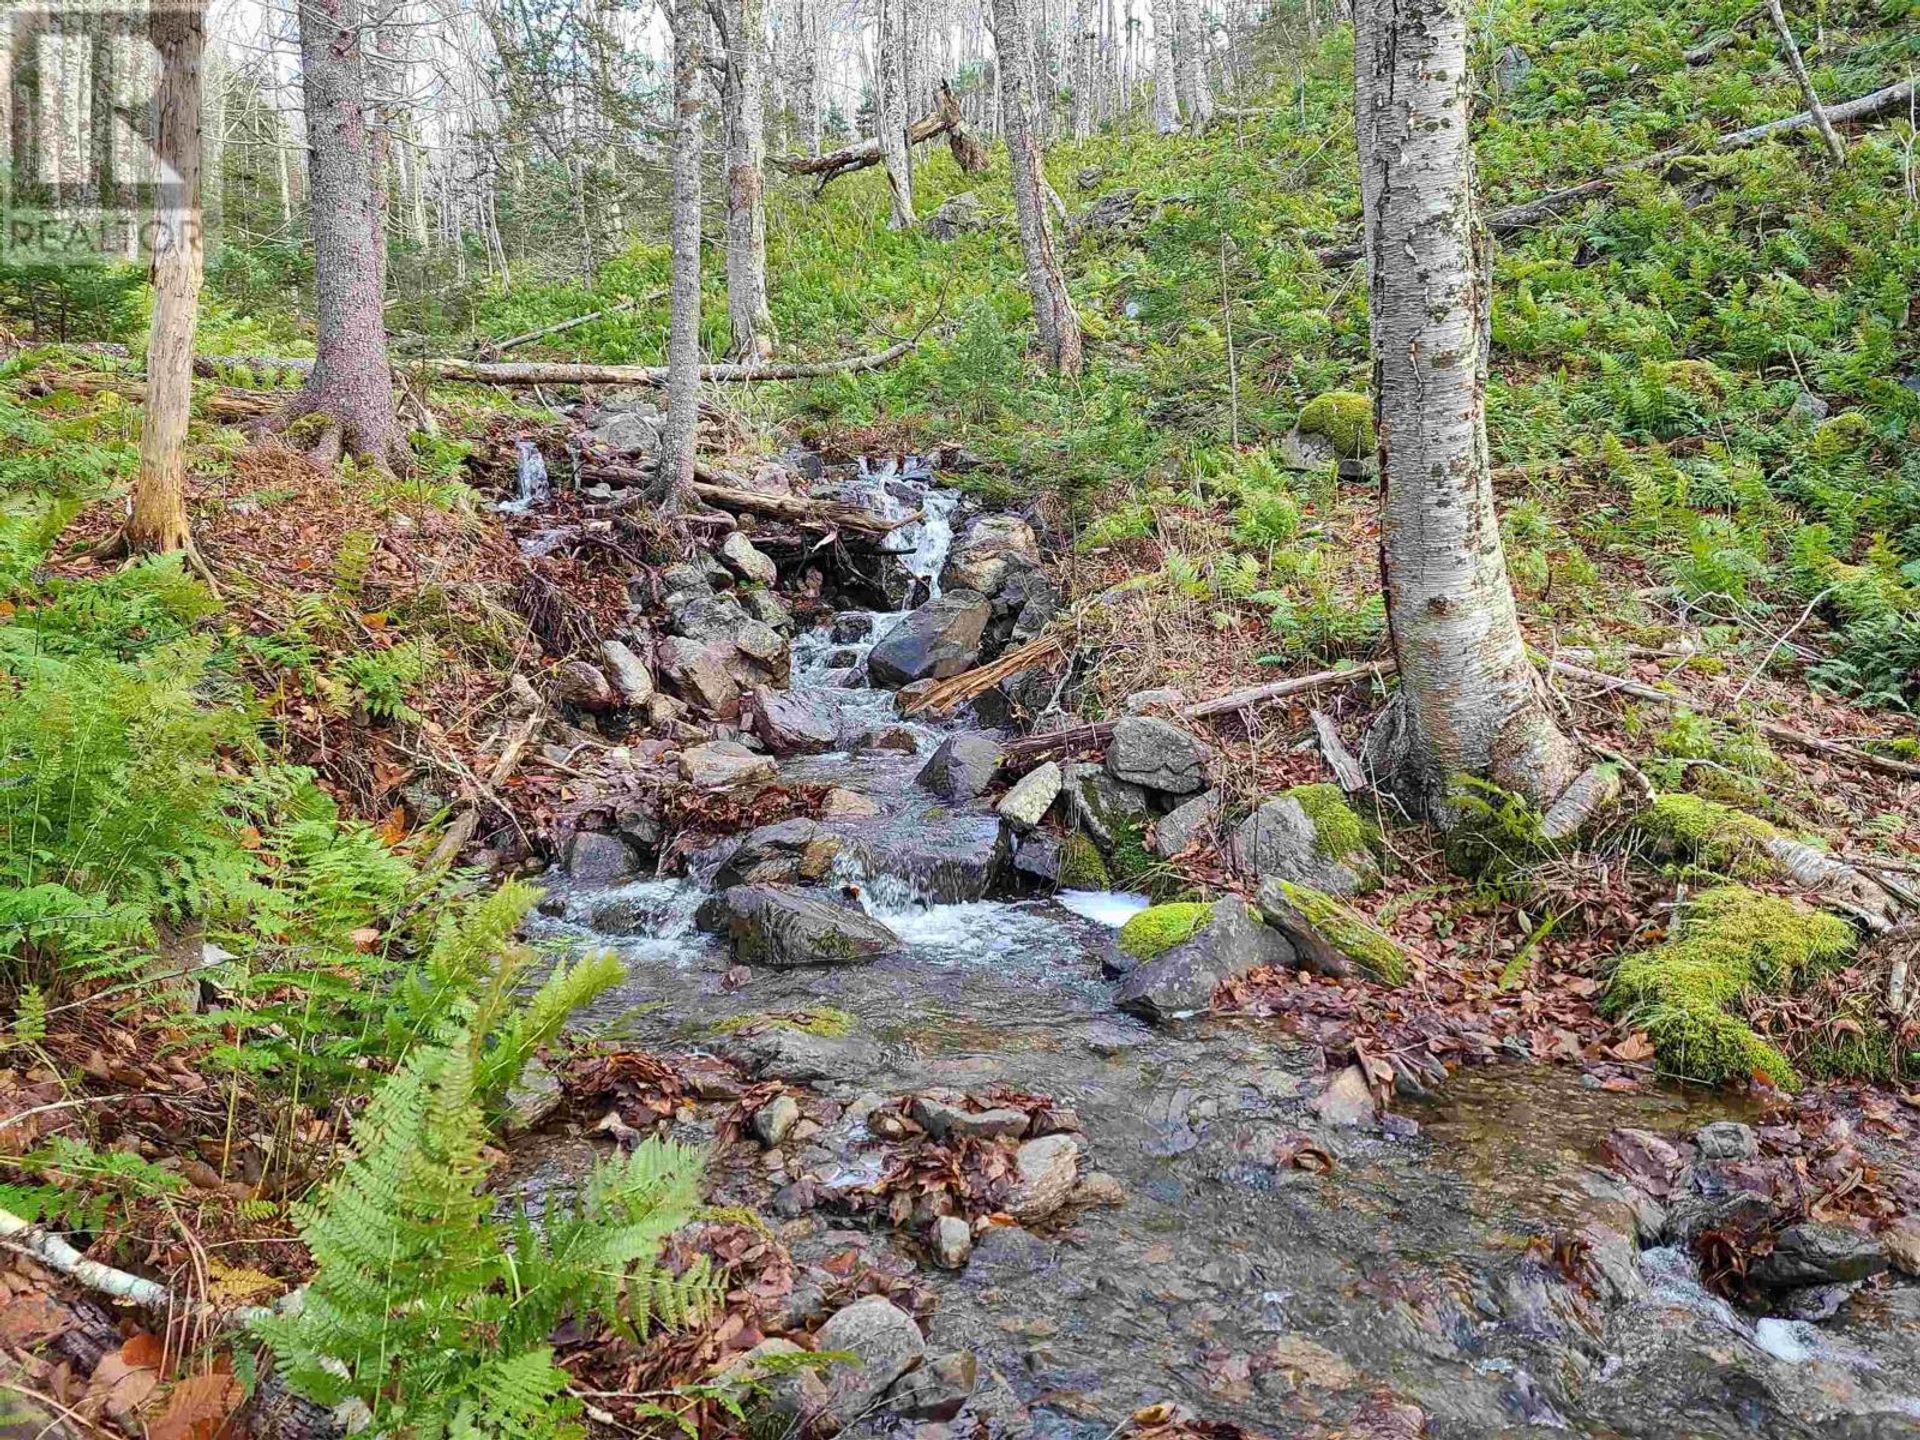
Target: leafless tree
[[683, 336], [1053, 314]]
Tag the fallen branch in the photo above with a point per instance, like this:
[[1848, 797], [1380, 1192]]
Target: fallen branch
[[56, 1254], [1713, 45], [946, 119], [801, 509], [631, 303], [946, 695]]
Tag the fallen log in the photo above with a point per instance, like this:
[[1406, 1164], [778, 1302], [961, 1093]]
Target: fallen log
[[801, 509], [631, 303], [946, 119], [1519, 217]]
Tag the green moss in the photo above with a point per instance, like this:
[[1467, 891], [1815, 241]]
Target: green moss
[[1697, 377], [1343, 419], [1841, 436], [1377, 954], [1081, 867], [1712, 834], [822, 1020], [1159, 928], [1338, 830], [1129, 860], [1730, 944]]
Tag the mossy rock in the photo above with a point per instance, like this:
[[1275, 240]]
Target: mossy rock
[[1343, 419], [1842, 435], [1159, 928], [1331, 935], [1730, 943], [1081, 867], [822, 1020], [1339, 831], [1708, 833], [1696, 377]]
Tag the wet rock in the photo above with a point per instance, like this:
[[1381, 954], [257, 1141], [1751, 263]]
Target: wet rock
[[1101, 807], [951, 1242], [1156, 755], [1818, 1253], [1098, 1189], [906, 700], [885, 1344], [1181, 980], [961, 768], [698, 674], [775, 1120], [763, 645], [1177, 829], [1726, 1140], [534, 1098], [1045, 1174], [939, 1389], [793, 722], [631, 679], [1901, 1241], [597, 859], [1329, 936], [746, 561], [851, 625], [1281, 840], [721, 763], [939, 1118], [1649, 1160], [769, 609], [1347, 1101], [1037, 860], [940, 639], [579, 683], [843, 804], [984, 554], [783, 1394], [808, 1059], [1027, 803], [958, 215], [785, 928], [787, 852]]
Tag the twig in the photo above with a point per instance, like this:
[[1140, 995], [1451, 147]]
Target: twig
[[1786, 635]]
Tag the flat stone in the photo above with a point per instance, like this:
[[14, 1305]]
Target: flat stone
[[579, 683], [721, 763], [698, 673], [631, 678], [951, 1241], [939, 1119], [708, 618], [1045, 1174], [784, 928], [961, 768], [842, 804], [1726, 1140], [1347, 1101], [1027, 803], [885, 1344], [794, 722], [775, 1120], [1099, 1189], [1156, 755], [1177, 829], [1818, 1253], [787, 852], [938, 1390], [747, 561], [1181, 980], [940, 639], [594, 858]]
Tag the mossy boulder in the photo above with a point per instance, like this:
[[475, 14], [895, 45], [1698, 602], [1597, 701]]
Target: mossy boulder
[[1311, 836], [1839, 437], [1687, 827], [1343, 419], [1159, 928], [1730, 947], [1331, 936], [1696, 377], [1081, 867], [1204, 947]]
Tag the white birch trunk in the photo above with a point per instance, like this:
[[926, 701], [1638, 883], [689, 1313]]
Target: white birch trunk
[[1166, 81], [683, 330], [749, 320], [1191, 58], [1053, 313], [890, 116], [1469, 700]]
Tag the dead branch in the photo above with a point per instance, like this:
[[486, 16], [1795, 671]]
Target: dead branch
[[631, 303], [1346, 770], [946, 695], [946, 119]]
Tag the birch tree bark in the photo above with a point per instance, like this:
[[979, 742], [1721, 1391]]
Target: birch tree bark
[[890, 116], [1086, 60], [1166, 82], [158, 520], [1828, 135], [1192, 61], [749, 319], [683, 327], [1053, 313], [1469, 700], [352, 380]]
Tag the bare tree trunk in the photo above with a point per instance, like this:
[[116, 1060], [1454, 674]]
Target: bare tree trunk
[[352, 380], [890, 112], [683, 331], [1828, 135], [1469, 700], [1191, 58], [1053, 313], [1166, 81], [1086, 57], [750, 320], [158, 521]]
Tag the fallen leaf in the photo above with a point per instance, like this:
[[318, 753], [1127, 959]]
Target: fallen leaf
[[197, 1408], [143, 1351]]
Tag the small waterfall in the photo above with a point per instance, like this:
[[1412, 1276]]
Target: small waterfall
[[1675, 1280], [934, 540], [531, 485]]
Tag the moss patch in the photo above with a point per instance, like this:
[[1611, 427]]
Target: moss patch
[[1338, 829], [1688, 994], [1841, 436], [1375, 953], [1709, 833], [1159, 928], [1081, 867], [1343, 419], [822, 1020]]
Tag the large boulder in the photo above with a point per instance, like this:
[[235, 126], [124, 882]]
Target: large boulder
[[940, 639], [746, 560], [579, 683], [794, 722], [594, 858], [720, 763], [769, 609], [710, 619], [787, 852], [1310, 836], [1185, 823], [1329, 936], [885, 1344], [961, 768], [699, 674], [786, 928], [1819, 1253], [991, 548], [1106, 810], [1226, 943], [1156, 756], [960, 214]]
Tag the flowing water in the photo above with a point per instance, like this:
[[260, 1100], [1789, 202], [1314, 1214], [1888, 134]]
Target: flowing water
[[1291, 1301]]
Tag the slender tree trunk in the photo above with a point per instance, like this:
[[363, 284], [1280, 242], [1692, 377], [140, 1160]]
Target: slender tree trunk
[[1086, 43], [352, 380], [683, 330], [1192, 58], [1828, 135], [158, 521], [1166, 82], [890, 116], [1053, 312], [1469, 700], [748, 317]]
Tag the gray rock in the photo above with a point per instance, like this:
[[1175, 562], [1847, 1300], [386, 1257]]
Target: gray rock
[[597, 859], [951, 1242], [775, 1120], [762, 644], [809, 1059], [1156, 755], [1279, 841], [784, 928], [1117, 212], [1347, 1101], [534, 1097], [784, 1396], [1177, 829], [991, 547], [1726, 1140], [579, 683], [1045, 1173], [1809, 407], [940, 639], [1099, 805], [1818, 1253], [1901, 1241], [698, 674], [1038, 860], [1099, 1189], [1181, 980], [787, 852], [1166, 702], [631, 678], [721, 763], [941, 1119], [793, 722], [885, 1344], [710, 619], [1511, 68], [684, 579], [939, 1389], [945, 856], [769, 609], [851, 625], [961, 768], [960, 214], [746, 561], [842, 804], [1027, 803]]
